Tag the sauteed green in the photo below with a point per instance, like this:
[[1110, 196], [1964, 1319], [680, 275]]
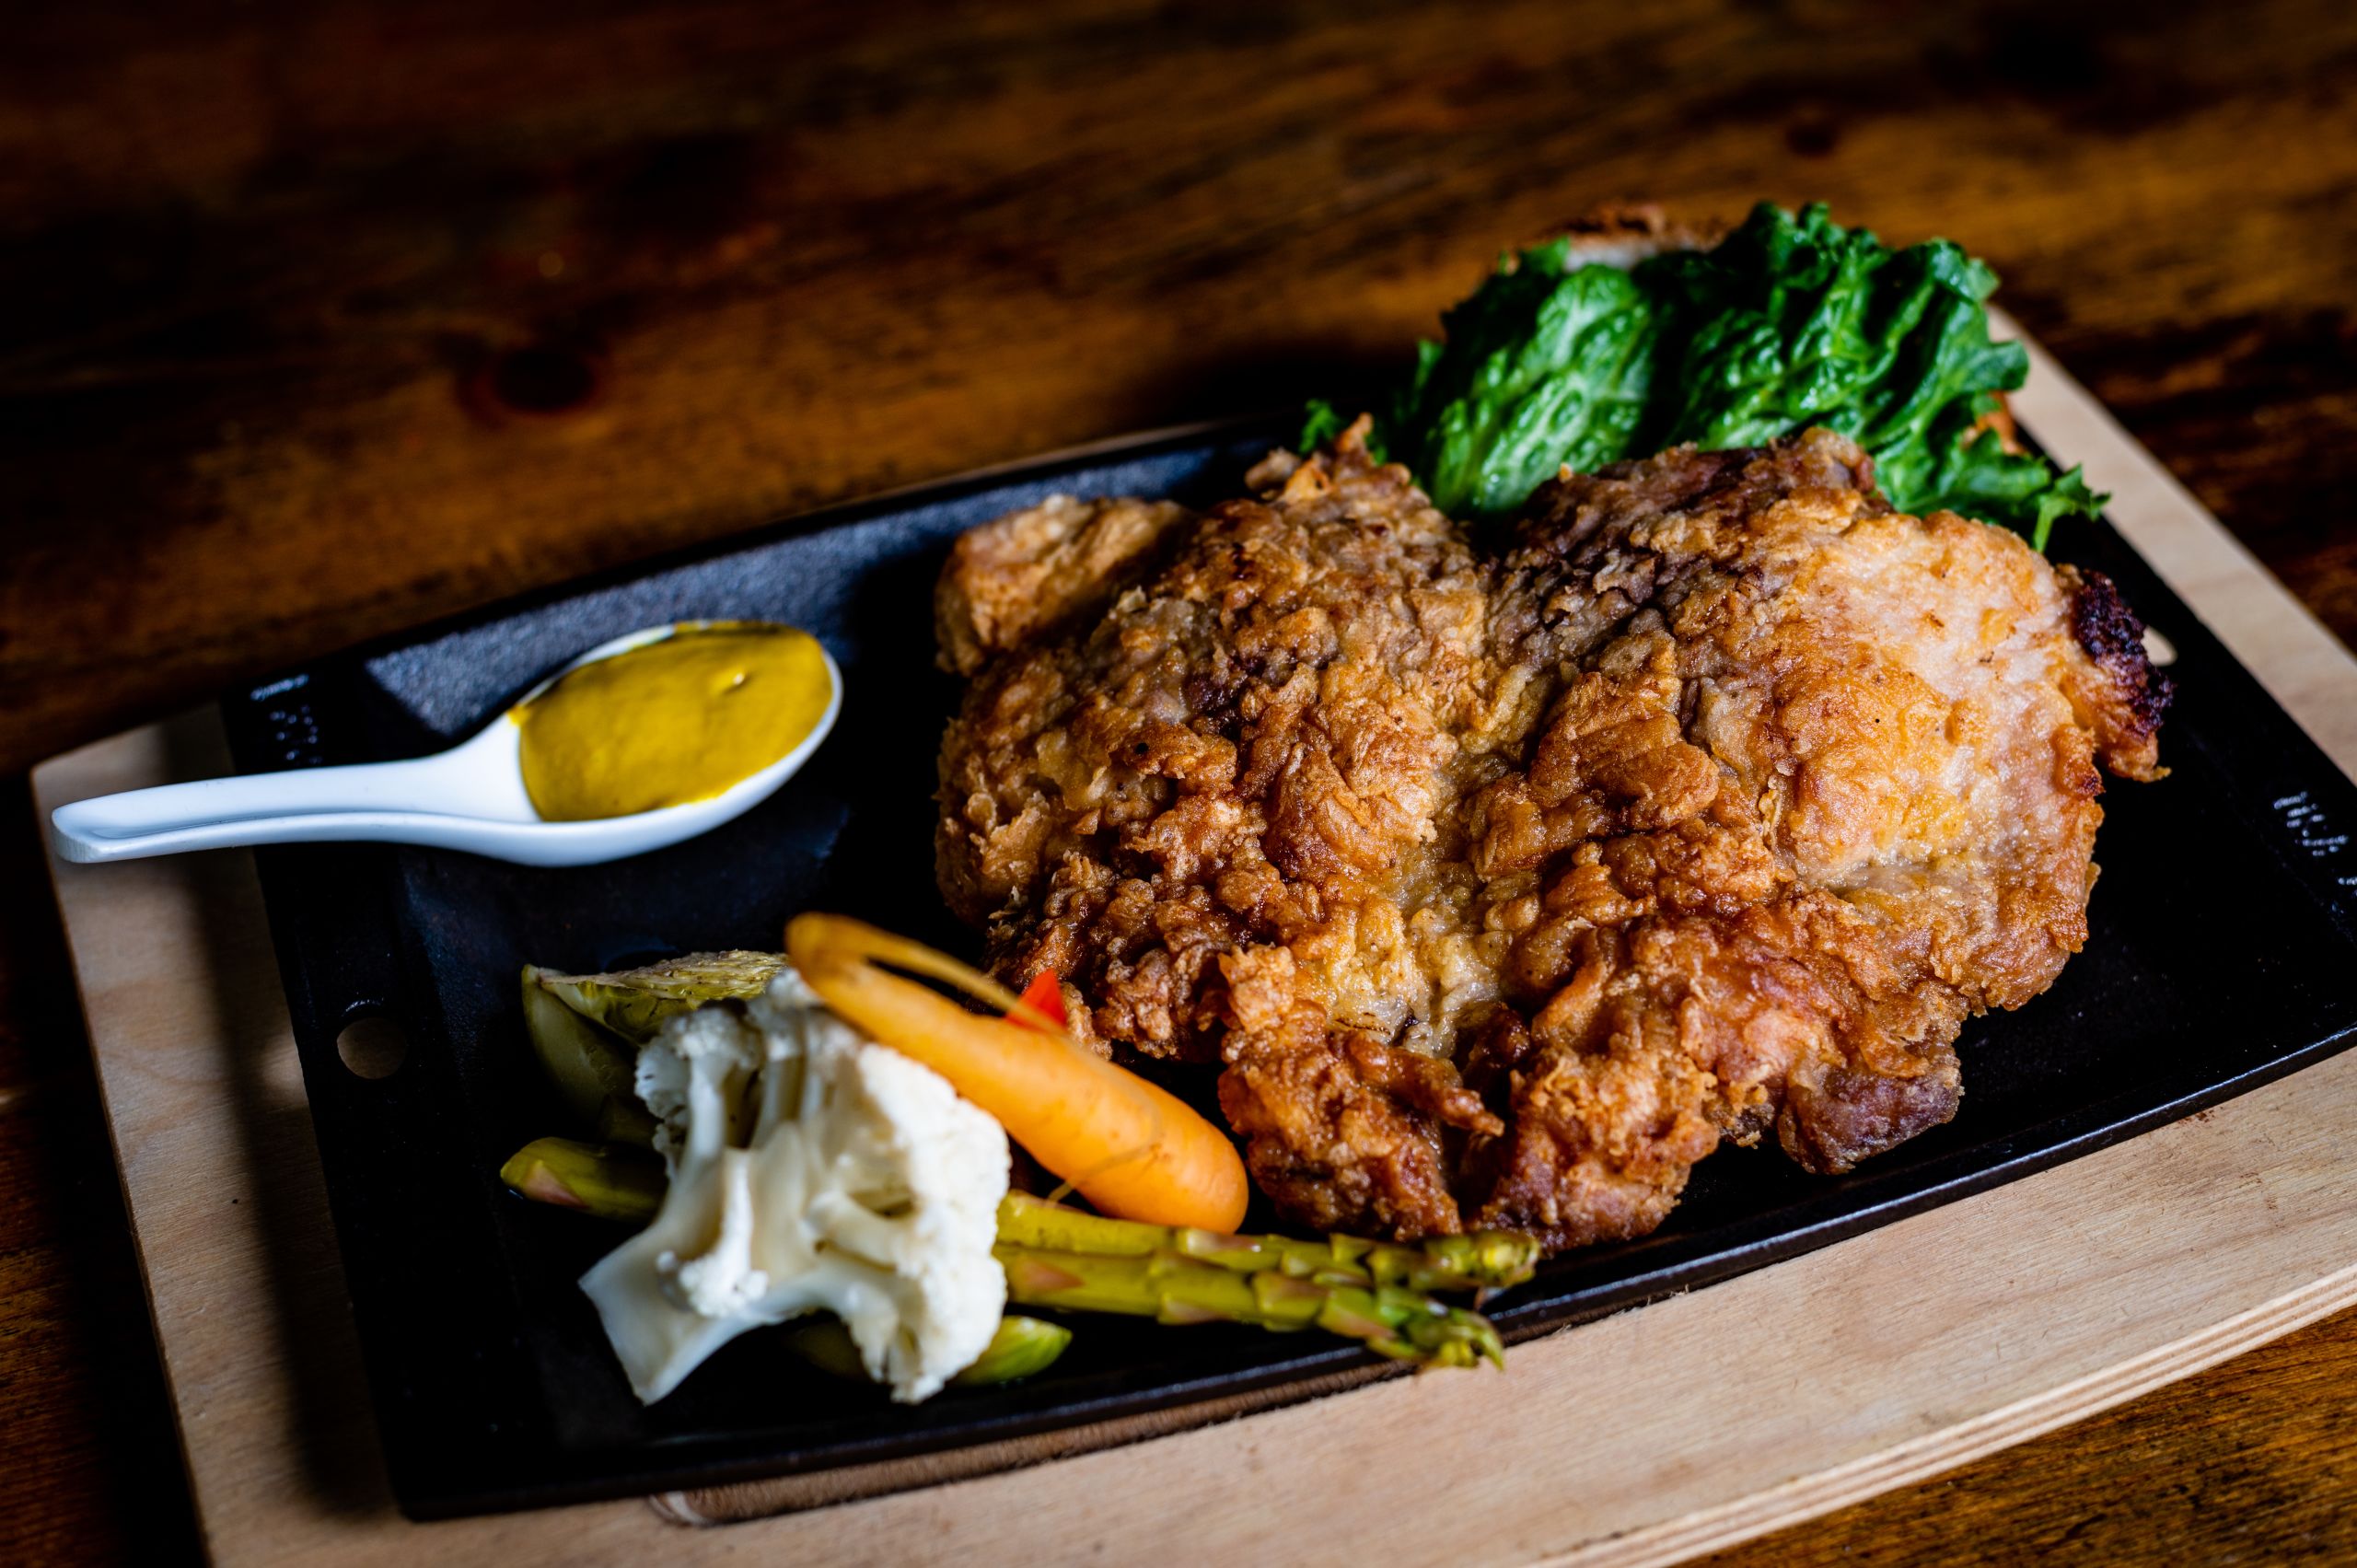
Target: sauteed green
[[1790, 321]]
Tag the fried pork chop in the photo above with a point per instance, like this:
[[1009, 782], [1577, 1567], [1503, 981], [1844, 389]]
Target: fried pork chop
[[1503, 884]]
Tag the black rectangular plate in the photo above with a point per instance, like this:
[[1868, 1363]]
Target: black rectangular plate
[[2221, 955]]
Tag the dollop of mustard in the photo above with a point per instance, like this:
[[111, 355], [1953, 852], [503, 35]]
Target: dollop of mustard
[[673, 721]]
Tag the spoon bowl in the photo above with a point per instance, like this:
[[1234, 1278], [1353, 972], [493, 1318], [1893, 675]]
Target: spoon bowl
[[470, 797]]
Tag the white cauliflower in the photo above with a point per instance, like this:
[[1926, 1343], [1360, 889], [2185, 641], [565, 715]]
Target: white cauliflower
[[811, 1170]]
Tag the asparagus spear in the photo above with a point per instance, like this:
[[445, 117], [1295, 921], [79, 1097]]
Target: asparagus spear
[[1059, 1257], [1021, 1347], [1487, 1259], [607, 1182], [1393, 1320]]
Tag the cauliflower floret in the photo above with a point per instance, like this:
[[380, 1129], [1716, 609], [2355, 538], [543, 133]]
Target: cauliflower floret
[[811, 1170]]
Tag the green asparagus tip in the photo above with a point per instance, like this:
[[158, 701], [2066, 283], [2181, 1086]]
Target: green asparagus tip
[[1379, 1293], [611, 1183], [1456, 1338], [1483, 1259], [1021, 1348]]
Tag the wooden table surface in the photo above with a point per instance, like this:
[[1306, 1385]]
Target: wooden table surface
[[329, 319]]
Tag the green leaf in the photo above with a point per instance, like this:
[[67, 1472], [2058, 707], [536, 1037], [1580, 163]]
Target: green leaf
[[1541, 368], [1980, 479], [1320, 423], [1791, 322]]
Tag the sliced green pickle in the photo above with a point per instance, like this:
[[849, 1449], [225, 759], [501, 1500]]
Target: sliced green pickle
[[1022, 1347]]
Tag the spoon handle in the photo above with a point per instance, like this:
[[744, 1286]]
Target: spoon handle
[[307, 805]]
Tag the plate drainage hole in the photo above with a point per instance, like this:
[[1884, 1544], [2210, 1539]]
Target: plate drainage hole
[[372, 1047]]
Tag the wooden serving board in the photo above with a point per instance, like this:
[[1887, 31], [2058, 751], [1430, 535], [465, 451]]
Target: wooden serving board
[[1673, 1429]]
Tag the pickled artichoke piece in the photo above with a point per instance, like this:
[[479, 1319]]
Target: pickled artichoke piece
[[626, 1121], [633, 1003], [587, 1029], [590, 1065]]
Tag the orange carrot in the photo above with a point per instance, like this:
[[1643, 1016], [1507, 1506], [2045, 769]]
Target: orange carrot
[[1130, 1147], [1045, 997]]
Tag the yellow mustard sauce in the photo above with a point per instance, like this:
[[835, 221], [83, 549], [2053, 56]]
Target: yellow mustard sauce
[[671, 722]]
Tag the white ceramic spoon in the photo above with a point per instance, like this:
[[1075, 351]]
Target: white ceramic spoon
[[470, 797]]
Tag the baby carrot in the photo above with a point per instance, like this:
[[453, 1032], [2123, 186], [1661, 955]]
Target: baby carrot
[[1130, 1147]]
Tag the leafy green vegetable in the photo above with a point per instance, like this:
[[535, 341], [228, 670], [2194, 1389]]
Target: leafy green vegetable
[[1320, 423], [1791, 322], [1545, 365]]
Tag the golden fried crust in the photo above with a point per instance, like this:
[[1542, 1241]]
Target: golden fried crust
[[1504, 887], [1218, 812], [2118, 695], [1035, 572]]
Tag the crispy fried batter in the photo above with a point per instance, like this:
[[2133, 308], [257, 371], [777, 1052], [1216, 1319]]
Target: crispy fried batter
[[1039, 570], [1504, 887]]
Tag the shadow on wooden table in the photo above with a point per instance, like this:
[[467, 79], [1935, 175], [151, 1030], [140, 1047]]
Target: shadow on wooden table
[[318, 1348]]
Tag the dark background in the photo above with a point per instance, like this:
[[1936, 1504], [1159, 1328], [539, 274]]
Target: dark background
[[325, 320]]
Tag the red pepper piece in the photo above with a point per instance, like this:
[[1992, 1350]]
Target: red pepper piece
[[1045, 995]]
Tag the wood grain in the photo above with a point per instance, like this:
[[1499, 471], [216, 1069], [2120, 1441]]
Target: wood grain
[[335, 317], [332, 318], [94, 1463]]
